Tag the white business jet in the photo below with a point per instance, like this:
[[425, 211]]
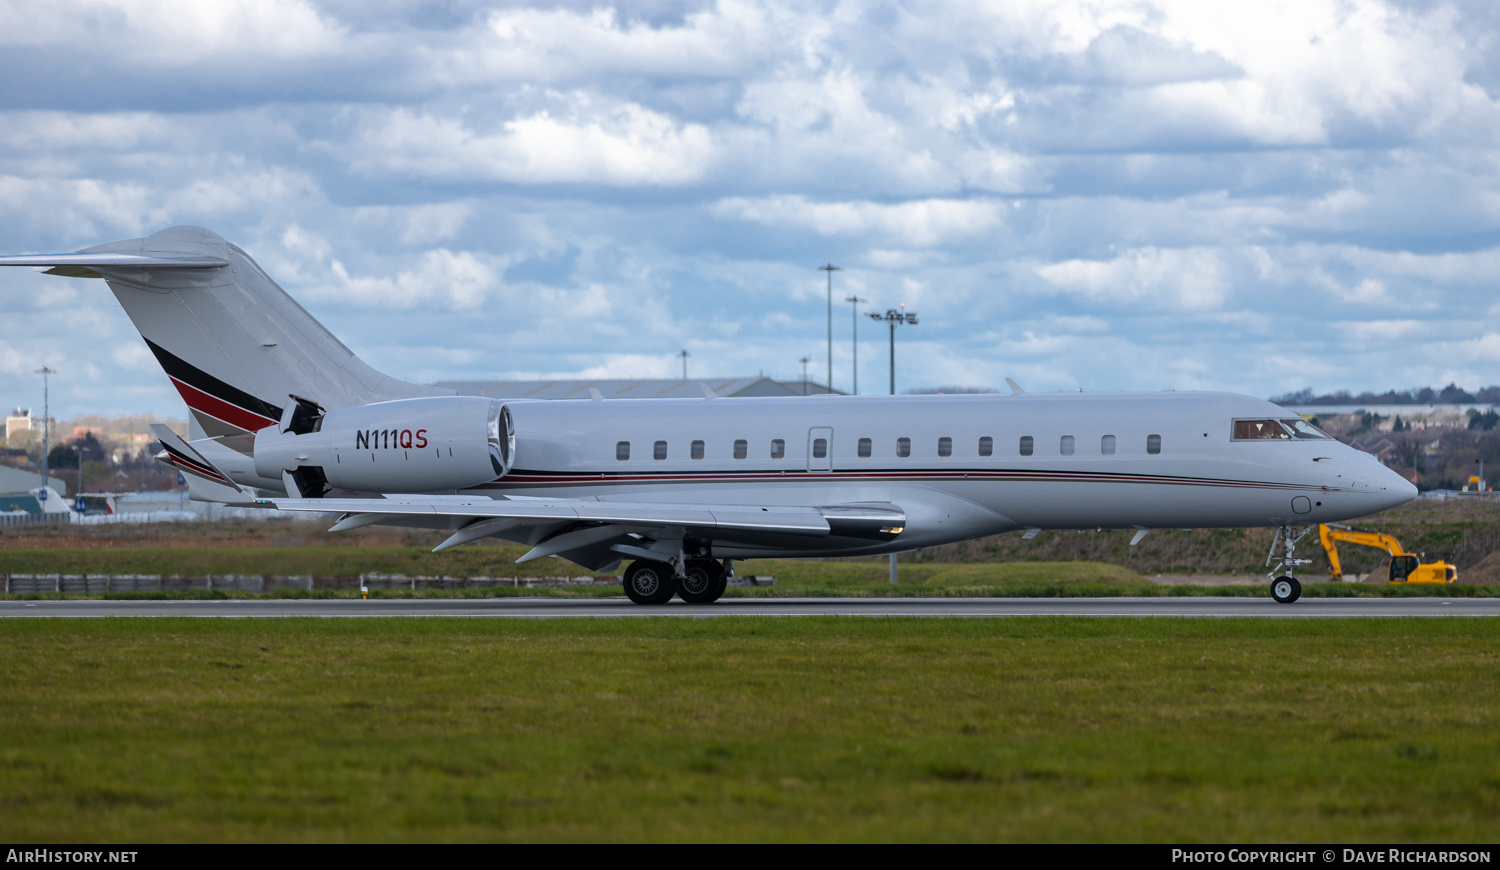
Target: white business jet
[[684, 487]]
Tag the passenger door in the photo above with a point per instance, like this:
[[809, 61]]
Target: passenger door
[[820, 448]]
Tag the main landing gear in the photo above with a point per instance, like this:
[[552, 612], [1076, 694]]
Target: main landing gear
[[649, 582], [1285, 589]]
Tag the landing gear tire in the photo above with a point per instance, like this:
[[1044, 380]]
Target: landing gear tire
[[1286, 590], [703, 582], [648, 582]]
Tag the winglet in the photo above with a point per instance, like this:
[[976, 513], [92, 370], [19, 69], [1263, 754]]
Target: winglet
[[595, 395], [708, 392], [1015, 388], [182, 456]]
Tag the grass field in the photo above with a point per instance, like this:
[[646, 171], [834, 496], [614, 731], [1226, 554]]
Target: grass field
[[794, 577], [751, 729]]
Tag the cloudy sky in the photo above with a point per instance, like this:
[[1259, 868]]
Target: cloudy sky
[[1102, 195]]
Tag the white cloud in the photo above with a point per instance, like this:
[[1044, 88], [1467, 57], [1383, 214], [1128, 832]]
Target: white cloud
[[84, 208], [562, 44], [175, 33], [419, 224], [1063, 183], [623, 145], [922, 224], [448, 280], [1191, 279], [135, 356]]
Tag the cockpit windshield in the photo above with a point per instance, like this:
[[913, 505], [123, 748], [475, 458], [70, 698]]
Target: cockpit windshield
[[1260, 430], [1305, 431], [1286, 429]]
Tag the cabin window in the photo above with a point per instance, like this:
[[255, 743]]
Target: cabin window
[[741, 448], [1027, 443], [1153, 444], [945, 446], [696, 449], [903, 447], [820, 448], [622, 450], [865, 448], [986, 446], [659, 450], [1107, 445], [1260, 430], [778, 448], [1065, 445]]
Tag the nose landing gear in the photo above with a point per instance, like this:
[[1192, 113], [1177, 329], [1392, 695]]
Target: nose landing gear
[[1285, 589]]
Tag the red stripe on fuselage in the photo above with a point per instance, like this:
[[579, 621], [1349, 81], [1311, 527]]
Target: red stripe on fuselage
[[586, 479], [219, 409]]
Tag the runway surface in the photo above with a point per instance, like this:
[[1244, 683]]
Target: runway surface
[[543, 608]]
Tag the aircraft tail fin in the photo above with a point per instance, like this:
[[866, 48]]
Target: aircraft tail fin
[[233, 343]]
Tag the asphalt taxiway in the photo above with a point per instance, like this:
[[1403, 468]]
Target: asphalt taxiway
[[545, 608]]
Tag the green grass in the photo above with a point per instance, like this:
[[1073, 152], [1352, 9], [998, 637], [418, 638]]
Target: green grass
[[794, 577], [751, 729], [459, 561]]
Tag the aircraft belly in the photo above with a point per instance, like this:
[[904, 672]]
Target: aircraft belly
[[1115, 506], [994, 506]]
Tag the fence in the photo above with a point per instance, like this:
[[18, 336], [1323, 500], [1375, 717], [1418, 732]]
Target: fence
[[25, 519], [85, 583]]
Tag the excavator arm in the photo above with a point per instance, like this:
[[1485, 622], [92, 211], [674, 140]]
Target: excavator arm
[[1405, 567], [1331, 533]]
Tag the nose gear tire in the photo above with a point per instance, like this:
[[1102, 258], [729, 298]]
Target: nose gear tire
[[1286, 590]]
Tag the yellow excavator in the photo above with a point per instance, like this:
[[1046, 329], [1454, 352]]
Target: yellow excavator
[[1405, 567]]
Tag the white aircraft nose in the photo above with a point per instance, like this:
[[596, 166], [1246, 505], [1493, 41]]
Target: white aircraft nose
[[1394, 489]]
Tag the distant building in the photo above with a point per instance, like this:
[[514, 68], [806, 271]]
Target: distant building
[[636, 388], [18, 421], [18, 490], [1383, 450]]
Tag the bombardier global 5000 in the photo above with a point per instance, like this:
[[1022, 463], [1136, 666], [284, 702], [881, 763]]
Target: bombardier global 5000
[[684, 487]]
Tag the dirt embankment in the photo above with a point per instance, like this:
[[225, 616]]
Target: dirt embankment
[[270, 533]]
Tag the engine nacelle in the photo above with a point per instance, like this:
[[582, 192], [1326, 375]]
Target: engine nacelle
[[408, 445]]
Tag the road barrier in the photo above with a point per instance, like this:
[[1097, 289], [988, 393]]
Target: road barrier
[[86, 583]]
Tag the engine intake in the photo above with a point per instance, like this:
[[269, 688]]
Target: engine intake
[[406, 446]]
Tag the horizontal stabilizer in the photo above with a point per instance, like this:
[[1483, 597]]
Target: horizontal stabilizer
[[181, 455], [87, 265]]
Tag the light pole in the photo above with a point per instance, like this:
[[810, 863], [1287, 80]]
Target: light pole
[[894, 317], [804, 360], [78, 496], [683, 354], [830, 269], [854, 331], [45, 372]]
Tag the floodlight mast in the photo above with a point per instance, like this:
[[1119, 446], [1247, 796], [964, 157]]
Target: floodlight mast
[[804, 360], [683, 355], [854, 301], [830, 269], [46, 372], [893, 317]]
